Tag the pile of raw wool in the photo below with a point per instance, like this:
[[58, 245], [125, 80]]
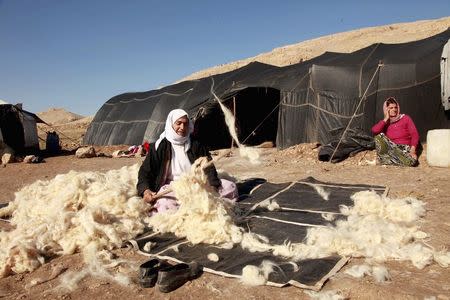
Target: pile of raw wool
[[203, 217], [377, 228], [74, 212]]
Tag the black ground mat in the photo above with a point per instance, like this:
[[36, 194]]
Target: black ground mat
[[301, 207]]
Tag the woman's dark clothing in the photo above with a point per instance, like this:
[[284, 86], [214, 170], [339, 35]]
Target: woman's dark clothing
[[156, 166]]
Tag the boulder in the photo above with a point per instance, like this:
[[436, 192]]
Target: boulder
[[85, 152]]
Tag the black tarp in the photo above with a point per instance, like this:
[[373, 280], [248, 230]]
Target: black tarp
[[301, 208], [312, 98], [343, 145]]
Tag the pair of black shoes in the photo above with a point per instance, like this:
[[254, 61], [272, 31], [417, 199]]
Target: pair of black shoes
[[167, 277]]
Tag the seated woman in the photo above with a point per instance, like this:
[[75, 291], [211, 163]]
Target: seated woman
[[171, 156], [396, 136]]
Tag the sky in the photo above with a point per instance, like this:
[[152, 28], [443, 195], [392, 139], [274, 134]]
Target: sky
[[77, 54]]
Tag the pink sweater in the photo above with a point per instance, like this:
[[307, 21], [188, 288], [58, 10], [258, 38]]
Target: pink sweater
[[401, 132]]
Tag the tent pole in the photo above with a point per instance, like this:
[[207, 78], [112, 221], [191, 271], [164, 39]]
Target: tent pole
[[380, 64]]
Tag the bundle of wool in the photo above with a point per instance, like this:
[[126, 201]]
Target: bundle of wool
[[253, 275], [270, 204], [251, 153], [379, 273], [65, 214], [373, 229], [98, 263], [213, 257], [406, 210], [319, 189], [359, 271], [202, 217]]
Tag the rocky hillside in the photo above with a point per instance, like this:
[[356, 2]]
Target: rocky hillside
[[57, 116], [341, 42], [69, 126]]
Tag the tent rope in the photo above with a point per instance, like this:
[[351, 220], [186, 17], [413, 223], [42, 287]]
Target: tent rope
[[354, 114], [256, 128], [60, 133]]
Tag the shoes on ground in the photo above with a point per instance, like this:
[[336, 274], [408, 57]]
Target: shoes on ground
[[173, 277], [148, 272], [167, 277]]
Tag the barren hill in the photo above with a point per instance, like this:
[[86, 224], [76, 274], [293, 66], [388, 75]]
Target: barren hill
[[56, 116], [70, 127], [341, 42]]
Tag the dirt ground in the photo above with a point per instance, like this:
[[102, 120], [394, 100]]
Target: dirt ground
[[430, 184]]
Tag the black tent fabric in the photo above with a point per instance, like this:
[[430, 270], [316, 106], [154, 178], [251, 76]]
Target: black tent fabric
[[13, 130], [304, 102], [344, 145], [301, 208]]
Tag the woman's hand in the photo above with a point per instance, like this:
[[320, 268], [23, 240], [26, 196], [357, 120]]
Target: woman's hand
[[386, 115], [148, 196]]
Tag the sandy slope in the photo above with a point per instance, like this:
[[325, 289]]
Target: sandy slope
[[341, 42], [55, 116]]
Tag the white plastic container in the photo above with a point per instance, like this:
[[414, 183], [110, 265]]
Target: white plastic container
[[438, 147]]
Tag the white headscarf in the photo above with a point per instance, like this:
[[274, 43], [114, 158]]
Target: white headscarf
[[170, 134]]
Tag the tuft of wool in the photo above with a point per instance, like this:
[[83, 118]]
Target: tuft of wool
[[406, 210], [270, 204], [253, 275], [442, 258], [251, 153], [380, 274], [328, 216], [213, 257], [69, 212], [98, 262], [273, 206], [8, 210], [320, 190], [148, 246], [358, 271], [255, 242]]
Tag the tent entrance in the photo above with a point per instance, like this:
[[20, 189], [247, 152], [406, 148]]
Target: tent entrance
[[256, 112]]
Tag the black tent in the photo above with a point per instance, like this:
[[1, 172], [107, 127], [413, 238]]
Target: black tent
[[18, 128], [305, 102]]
